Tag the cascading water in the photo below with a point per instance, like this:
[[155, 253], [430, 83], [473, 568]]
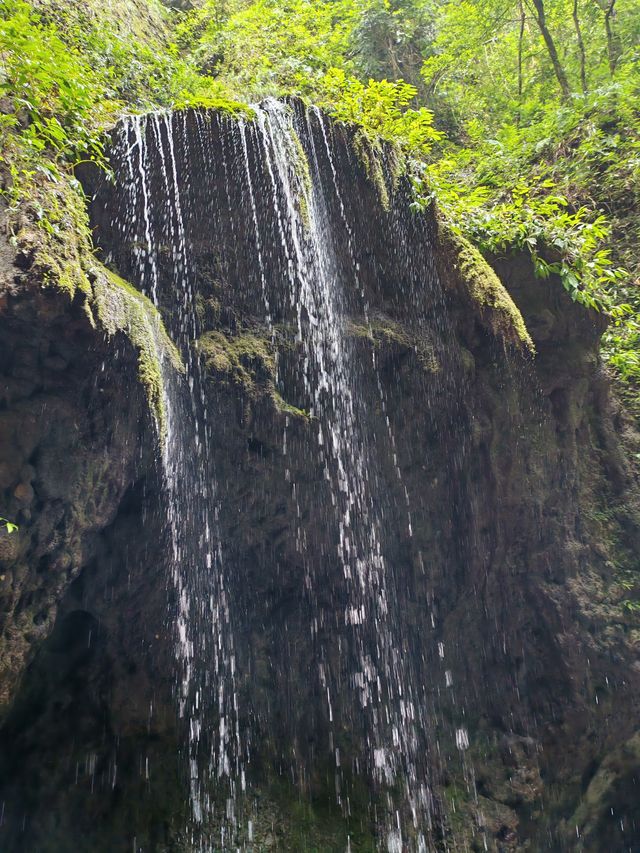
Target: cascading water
[[204, 639], [364, 587], [379, 670], [273, 184]]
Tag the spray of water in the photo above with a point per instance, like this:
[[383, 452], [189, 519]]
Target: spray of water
[[205, 659], [284, 160]]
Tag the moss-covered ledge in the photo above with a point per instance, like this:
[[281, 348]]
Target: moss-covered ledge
[[245, 360], [388, 335], [497, 310], [54, 251], [119, 307]]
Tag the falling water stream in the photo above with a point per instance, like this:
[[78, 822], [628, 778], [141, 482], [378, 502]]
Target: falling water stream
[[380, 676], [205, 681], [284, 160]]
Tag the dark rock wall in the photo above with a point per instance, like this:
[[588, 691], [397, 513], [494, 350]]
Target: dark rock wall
[[83, 592], [66, 460], [510, 591]]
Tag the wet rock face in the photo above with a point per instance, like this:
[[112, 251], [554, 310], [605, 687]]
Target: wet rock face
[[66, 460], [508, 510], [77, 624]]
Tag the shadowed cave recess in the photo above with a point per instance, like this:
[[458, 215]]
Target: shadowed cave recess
[[358, 588]]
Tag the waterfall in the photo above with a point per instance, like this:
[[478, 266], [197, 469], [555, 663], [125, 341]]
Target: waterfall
[[273, 186], [379, 674], [204, 645]]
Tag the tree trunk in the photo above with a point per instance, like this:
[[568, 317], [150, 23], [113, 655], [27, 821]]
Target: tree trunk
[[560, 73], [520, 47], [614, 44], [583, 58]]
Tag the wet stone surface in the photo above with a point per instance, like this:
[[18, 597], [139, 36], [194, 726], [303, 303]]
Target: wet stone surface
[[379, 566]]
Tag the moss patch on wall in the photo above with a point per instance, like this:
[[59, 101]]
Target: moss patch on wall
[[303, 173], [53, 241], [383, 164], [385, 333], [486, 289], [246, 360], [119, 307], [52, 236]]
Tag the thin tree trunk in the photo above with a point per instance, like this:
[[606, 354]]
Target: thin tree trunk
[[583, 57], [560, 73], [614, 45], [395, 65], [520, 48]]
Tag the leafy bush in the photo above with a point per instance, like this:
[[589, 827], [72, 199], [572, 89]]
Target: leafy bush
[[382, 109], [51, 96]]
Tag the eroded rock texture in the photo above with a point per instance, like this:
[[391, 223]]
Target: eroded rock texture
[[502, 482], [83, 592]]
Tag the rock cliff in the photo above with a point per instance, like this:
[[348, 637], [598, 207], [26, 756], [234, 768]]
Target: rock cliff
[[498, 484]]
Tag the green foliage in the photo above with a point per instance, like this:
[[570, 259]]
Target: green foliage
[[524, 128], [529, 216], [67, 72], [235, 109], [389, 40], [272, 47], [52, 99], [381, 108], [9, 526], [565, 189]]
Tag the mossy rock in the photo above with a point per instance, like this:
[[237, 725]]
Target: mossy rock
[[245, 360], [383, 163], [610, 799], [486, 290], [53, 241], [386, 334], [119, 307], [284, 818]]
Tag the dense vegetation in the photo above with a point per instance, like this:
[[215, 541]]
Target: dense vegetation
[[519, 117]]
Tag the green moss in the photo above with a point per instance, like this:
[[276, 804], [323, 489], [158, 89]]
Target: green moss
[[303, 172], [288, 819], [245, 359], [208, 309], [233, 109], [287, 408], [486, 289], [53, 232], [119, 307], [386, 333], [383, 164]]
